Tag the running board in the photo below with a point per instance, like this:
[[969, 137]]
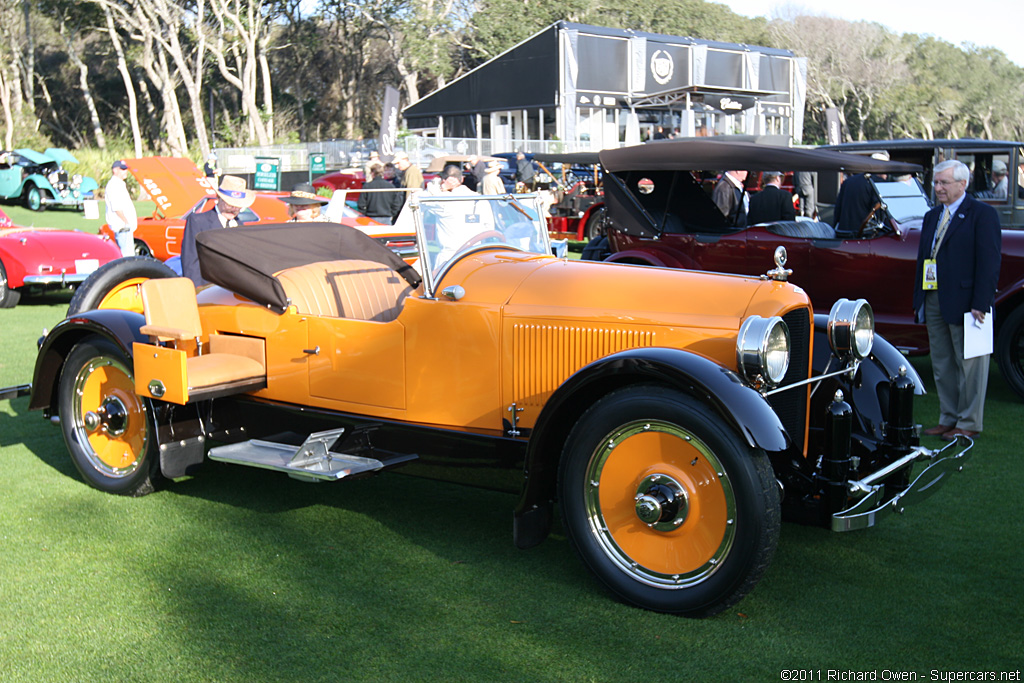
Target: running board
[[314, 460]]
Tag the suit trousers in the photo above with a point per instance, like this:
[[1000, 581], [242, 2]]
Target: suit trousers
[[961, 384]]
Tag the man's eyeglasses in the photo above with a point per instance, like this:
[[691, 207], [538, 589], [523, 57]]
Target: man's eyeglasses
[[948, 183]]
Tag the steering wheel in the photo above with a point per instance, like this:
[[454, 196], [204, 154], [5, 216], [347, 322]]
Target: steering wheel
[[874, 222], [480, 237]]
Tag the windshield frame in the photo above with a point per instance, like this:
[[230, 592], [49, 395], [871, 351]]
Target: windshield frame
[[912, 191], [421, 205]]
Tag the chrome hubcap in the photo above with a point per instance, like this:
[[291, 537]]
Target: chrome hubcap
[[661, 502], [113, 416]]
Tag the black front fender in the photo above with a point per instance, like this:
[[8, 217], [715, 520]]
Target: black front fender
[[120, 327], [745, 410]]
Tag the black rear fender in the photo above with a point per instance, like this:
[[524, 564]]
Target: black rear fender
[[120, 327]]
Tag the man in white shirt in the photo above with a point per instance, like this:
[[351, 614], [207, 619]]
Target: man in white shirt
[[121, 215]]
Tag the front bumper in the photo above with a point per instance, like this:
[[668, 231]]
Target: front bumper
[[62, 279], [70, 200], [874, 504]]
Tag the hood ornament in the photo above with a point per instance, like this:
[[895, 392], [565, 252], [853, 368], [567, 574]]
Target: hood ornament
[[780, 273]]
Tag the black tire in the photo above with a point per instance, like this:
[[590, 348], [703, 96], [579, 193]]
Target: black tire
[[595, 224], [142, 249], [1010, 350], [633, 454], [115, 284], [34, 198], [9, 298], [109, 430], [597, 249]]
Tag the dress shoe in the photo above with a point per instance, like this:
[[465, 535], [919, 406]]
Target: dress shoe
[[939, 430], [953, 433]]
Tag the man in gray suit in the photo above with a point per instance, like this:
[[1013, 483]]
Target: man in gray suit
[[957, 270]]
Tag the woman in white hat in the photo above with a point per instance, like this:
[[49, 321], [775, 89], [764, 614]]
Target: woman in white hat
[[492, 180], [304, 204]]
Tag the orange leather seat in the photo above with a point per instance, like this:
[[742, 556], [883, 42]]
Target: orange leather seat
[[356, 289]]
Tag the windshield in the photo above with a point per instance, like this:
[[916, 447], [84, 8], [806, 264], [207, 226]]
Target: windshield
[[451, 224], [904, 199]]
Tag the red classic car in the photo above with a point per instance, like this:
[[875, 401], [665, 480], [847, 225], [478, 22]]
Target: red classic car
[[47, 258], [658, 215]]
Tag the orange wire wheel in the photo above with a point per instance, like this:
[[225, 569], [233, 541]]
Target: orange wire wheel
[[107, 427], [666, 503]]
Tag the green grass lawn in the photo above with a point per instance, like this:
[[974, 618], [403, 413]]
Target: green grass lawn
[[66, 219], [245, 575]]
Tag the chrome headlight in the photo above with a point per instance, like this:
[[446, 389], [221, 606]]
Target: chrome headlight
[[851, 328], [762, 349]]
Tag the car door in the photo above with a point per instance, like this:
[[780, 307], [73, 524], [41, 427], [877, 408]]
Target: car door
[[358, 362]]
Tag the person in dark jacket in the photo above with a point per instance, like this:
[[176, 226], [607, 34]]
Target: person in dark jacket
[[731, 198], [857, 201], [772, 204], [232, 197], [958, 261], [384, 201], [524, 171]]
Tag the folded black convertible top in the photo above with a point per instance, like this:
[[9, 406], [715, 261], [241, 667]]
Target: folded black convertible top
[[244, 259], [705, 154]]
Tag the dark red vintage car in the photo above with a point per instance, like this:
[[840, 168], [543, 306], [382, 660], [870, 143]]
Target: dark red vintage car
[[658, 215]]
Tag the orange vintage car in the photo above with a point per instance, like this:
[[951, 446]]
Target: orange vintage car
[[671, 431]]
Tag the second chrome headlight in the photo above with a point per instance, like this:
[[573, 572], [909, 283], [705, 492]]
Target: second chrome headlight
[[851, 328], [762, 349]]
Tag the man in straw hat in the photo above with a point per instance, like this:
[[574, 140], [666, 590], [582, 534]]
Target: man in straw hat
[[304, 204], [232, 197]]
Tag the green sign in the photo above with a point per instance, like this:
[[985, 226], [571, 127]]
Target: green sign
[[268, 174], [317, 164]]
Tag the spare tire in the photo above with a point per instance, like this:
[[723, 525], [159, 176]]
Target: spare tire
[[116, 284]]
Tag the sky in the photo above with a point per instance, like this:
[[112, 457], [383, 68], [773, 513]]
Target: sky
[[985, 23]]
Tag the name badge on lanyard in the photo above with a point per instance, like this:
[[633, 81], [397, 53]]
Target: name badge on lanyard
[[931, 275]]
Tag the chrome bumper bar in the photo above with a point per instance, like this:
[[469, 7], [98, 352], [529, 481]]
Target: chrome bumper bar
[[15, 391], [56, 279], [870, 508]]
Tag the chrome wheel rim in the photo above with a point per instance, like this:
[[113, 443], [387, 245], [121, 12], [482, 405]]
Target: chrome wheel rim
[[687, 541]]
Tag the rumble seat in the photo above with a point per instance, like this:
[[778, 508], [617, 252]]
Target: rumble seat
[[233, 363], [355, 289]]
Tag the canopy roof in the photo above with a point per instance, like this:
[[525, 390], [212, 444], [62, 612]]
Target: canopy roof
[[244, 260], [573, 158], [707, 155]]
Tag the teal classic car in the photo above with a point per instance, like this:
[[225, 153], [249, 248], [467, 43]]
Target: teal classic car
[[40, 180]]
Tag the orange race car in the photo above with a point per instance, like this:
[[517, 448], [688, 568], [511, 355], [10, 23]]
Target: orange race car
[[672, 416], [179, 189]]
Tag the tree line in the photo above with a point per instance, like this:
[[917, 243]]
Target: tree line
[[179, 77]]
